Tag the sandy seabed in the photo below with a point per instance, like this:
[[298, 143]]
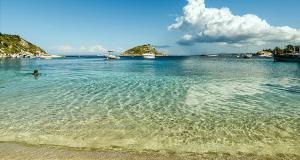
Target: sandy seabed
[[16, 151]]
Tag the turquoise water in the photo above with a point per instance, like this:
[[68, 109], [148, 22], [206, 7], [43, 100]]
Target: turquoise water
[[176, 104]]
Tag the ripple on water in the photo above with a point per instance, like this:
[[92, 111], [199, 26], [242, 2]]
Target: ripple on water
[[137, 110]]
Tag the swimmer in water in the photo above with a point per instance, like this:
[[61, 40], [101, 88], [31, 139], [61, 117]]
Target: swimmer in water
[[36, 73]]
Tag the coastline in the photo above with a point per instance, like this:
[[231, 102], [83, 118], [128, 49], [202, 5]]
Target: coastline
[[13, 151], [30, 56]]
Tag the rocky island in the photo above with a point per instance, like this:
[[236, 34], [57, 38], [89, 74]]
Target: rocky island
[[15, 46], [142, 49]]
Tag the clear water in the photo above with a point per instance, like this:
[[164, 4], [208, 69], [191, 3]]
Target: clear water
[[176, 104]]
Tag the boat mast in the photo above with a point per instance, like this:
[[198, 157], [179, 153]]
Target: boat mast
[[294, 49]]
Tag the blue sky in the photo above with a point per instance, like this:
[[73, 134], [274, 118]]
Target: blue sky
[[56, 25]]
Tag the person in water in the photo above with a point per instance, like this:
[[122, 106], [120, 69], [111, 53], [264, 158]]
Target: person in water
[[36, 73]]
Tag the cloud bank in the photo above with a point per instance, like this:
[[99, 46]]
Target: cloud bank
[[213, 25], [82, 49]]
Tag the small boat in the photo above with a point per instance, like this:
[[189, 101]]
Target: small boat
[[48, 56], [15, 56], [266, 56], [212, 55], [247, 56], [149, 56], [111, 56]]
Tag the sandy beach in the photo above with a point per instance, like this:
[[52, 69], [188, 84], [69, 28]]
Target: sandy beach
[[15, 151]]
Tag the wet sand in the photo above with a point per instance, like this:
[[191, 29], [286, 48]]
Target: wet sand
[[15, 151]]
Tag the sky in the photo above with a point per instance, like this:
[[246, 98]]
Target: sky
[[177, 27]]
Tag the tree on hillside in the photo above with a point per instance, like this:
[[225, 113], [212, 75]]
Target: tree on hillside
[[278, 50], [289, 48]]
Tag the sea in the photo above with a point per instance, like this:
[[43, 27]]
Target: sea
[[174, 104]]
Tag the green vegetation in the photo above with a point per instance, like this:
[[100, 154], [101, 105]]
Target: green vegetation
[[14, 44], [140, 50], [289, 49]]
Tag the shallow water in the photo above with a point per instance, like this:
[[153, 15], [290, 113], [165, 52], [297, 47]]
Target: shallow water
[[176, 104]]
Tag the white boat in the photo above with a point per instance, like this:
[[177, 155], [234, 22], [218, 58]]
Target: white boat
[[266, 56], [111, 56], [15, 56], [247, 56], [212, 55], [48, 56], [149, 55]]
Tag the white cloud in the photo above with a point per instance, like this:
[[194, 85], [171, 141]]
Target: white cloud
[[82, 49], [213, 25], [64, 48]]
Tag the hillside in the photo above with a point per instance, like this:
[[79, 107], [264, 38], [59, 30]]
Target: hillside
[[14, 44], [140, 50], [265, 53], [289, 49]]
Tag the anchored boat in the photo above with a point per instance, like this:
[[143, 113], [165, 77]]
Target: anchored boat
[[247, 56], [111, 56], [149, 55]]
